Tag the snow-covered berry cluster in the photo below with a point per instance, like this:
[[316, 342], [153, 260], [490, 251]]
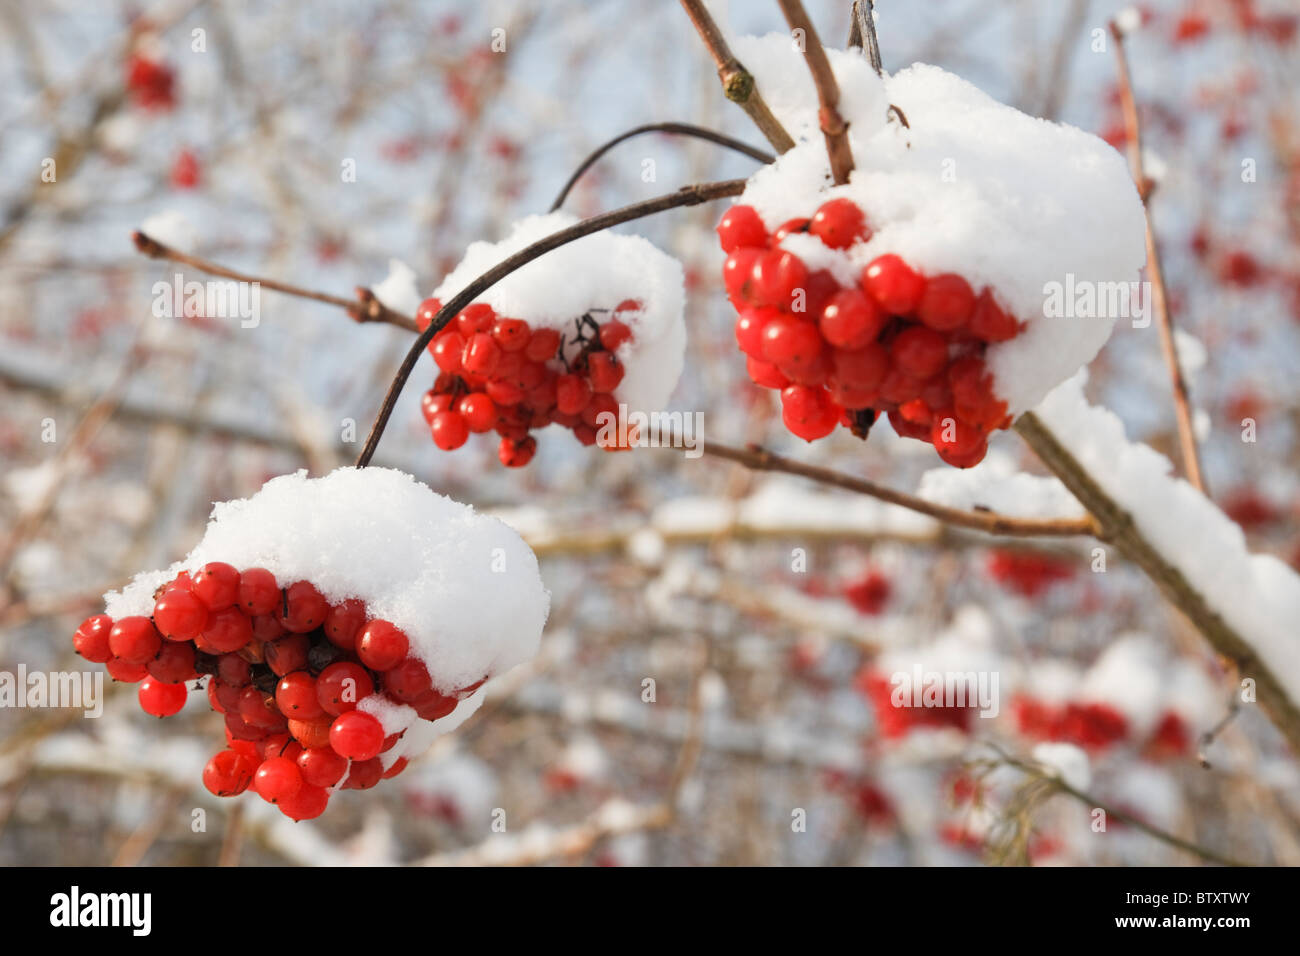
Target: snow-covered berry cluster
[[357, 613], [895, 341], [594, 325], [501, 374]]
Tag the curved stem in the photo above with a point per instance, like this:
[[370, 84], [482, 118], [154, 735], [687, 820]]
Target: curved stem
[[686, 196], [681, 129]]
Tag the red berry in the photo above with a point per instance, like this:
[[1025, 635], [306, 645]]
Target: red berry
[[257, 709], [477, 317], [227, 630], [174, 663], [905, 429], [862, 369], [851, 320], [381, 645], [572, 393], [431, 403], [134, 640], [237, 728], [364, 774], [791, 343], [161, 699], [737, 273], [839, 223], [307, 804], [950, 434], [919, 352], [777, 275], [947, 302], [228, 773], [481, 354], [226, 695], [808, 412], [765, 374], [479, 412], [311, 733], [426, 313], [356, 735], [343, 621], [321, 766], [91, 639], [398, 766], [258, 592], [990, 323], [890, 281], [217, 585], [542, 345], [741, 226], [341, 686], [749, 330], [179, 615], [304, 608], [408, 680], [511, 334], [899, 387], [277, 779], [432, 705], [605, 371], [233, 670], [267, 627], [295, 695], [599, 405], [447, 350], [288, 654], [125, 671], [613, 334], [798, 224], [516, 454], [449, 430]]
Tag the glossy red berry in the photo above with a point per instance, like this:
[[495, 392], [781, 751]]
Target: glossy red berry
[[216, 584], [447, 350], [226, 630], [295, 695], [839, 223], [125, 671], [307, 804], [893, 284], [258, 592], [990, 323], [741, 226], [919, 352], [479, 412], [449, 430], [426, 313], [288, 654], [311, 733], [342, 622], [604, 371], [790, 226], [233, 670], [516, 453], [91, 639], [863, 368], [321, 766], [134, 640], [749, 330], [356, 735], [477, 317], [257, 709], [229, 773], [777, 274], [614, 333], [851, 320], [808, 412], [278, 778], [542, 345], [303, 608], [161, 699], [765, 374], [481, 354], [408, 680], [511, 334], [382, 645], [174, 663], [572, 393], [791, 343], [341, 686], [179, 615], [364, 774], [947, 303], [737, 273]]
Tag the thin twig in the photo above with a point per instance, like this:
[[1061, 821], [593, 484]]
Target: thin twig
[[833, 126], [681, 129], [1160, 299], [364, 308], [864, 26], [737, 82], [758, 459], [686, 196]]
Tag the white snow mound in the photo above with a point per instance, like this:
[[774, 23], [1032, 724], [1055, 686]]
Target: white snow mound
[[970, 186], [595, 272], [463, 586]]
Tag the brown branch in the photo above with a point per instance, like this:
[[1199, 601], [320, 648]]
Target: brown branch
[[364, 308], [686, 196], [680, 129], [1118, 528], [862, 33], [833, 126], [737, 82], [758, 459], [1160, 299]]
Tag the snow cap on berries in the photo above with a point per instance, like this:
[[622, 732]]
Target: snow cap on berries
[[600, 271], [463, 586], [967, 185]]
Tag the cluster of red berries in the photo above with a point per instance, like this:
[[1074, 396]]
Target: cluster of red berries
[[500, 374], [1028, 574], [1096, 726], [285, 667], [895, 722], [897, 342]]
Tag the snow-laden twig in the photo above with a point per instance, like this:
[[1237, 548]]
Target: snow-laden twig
[[833, 126]]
